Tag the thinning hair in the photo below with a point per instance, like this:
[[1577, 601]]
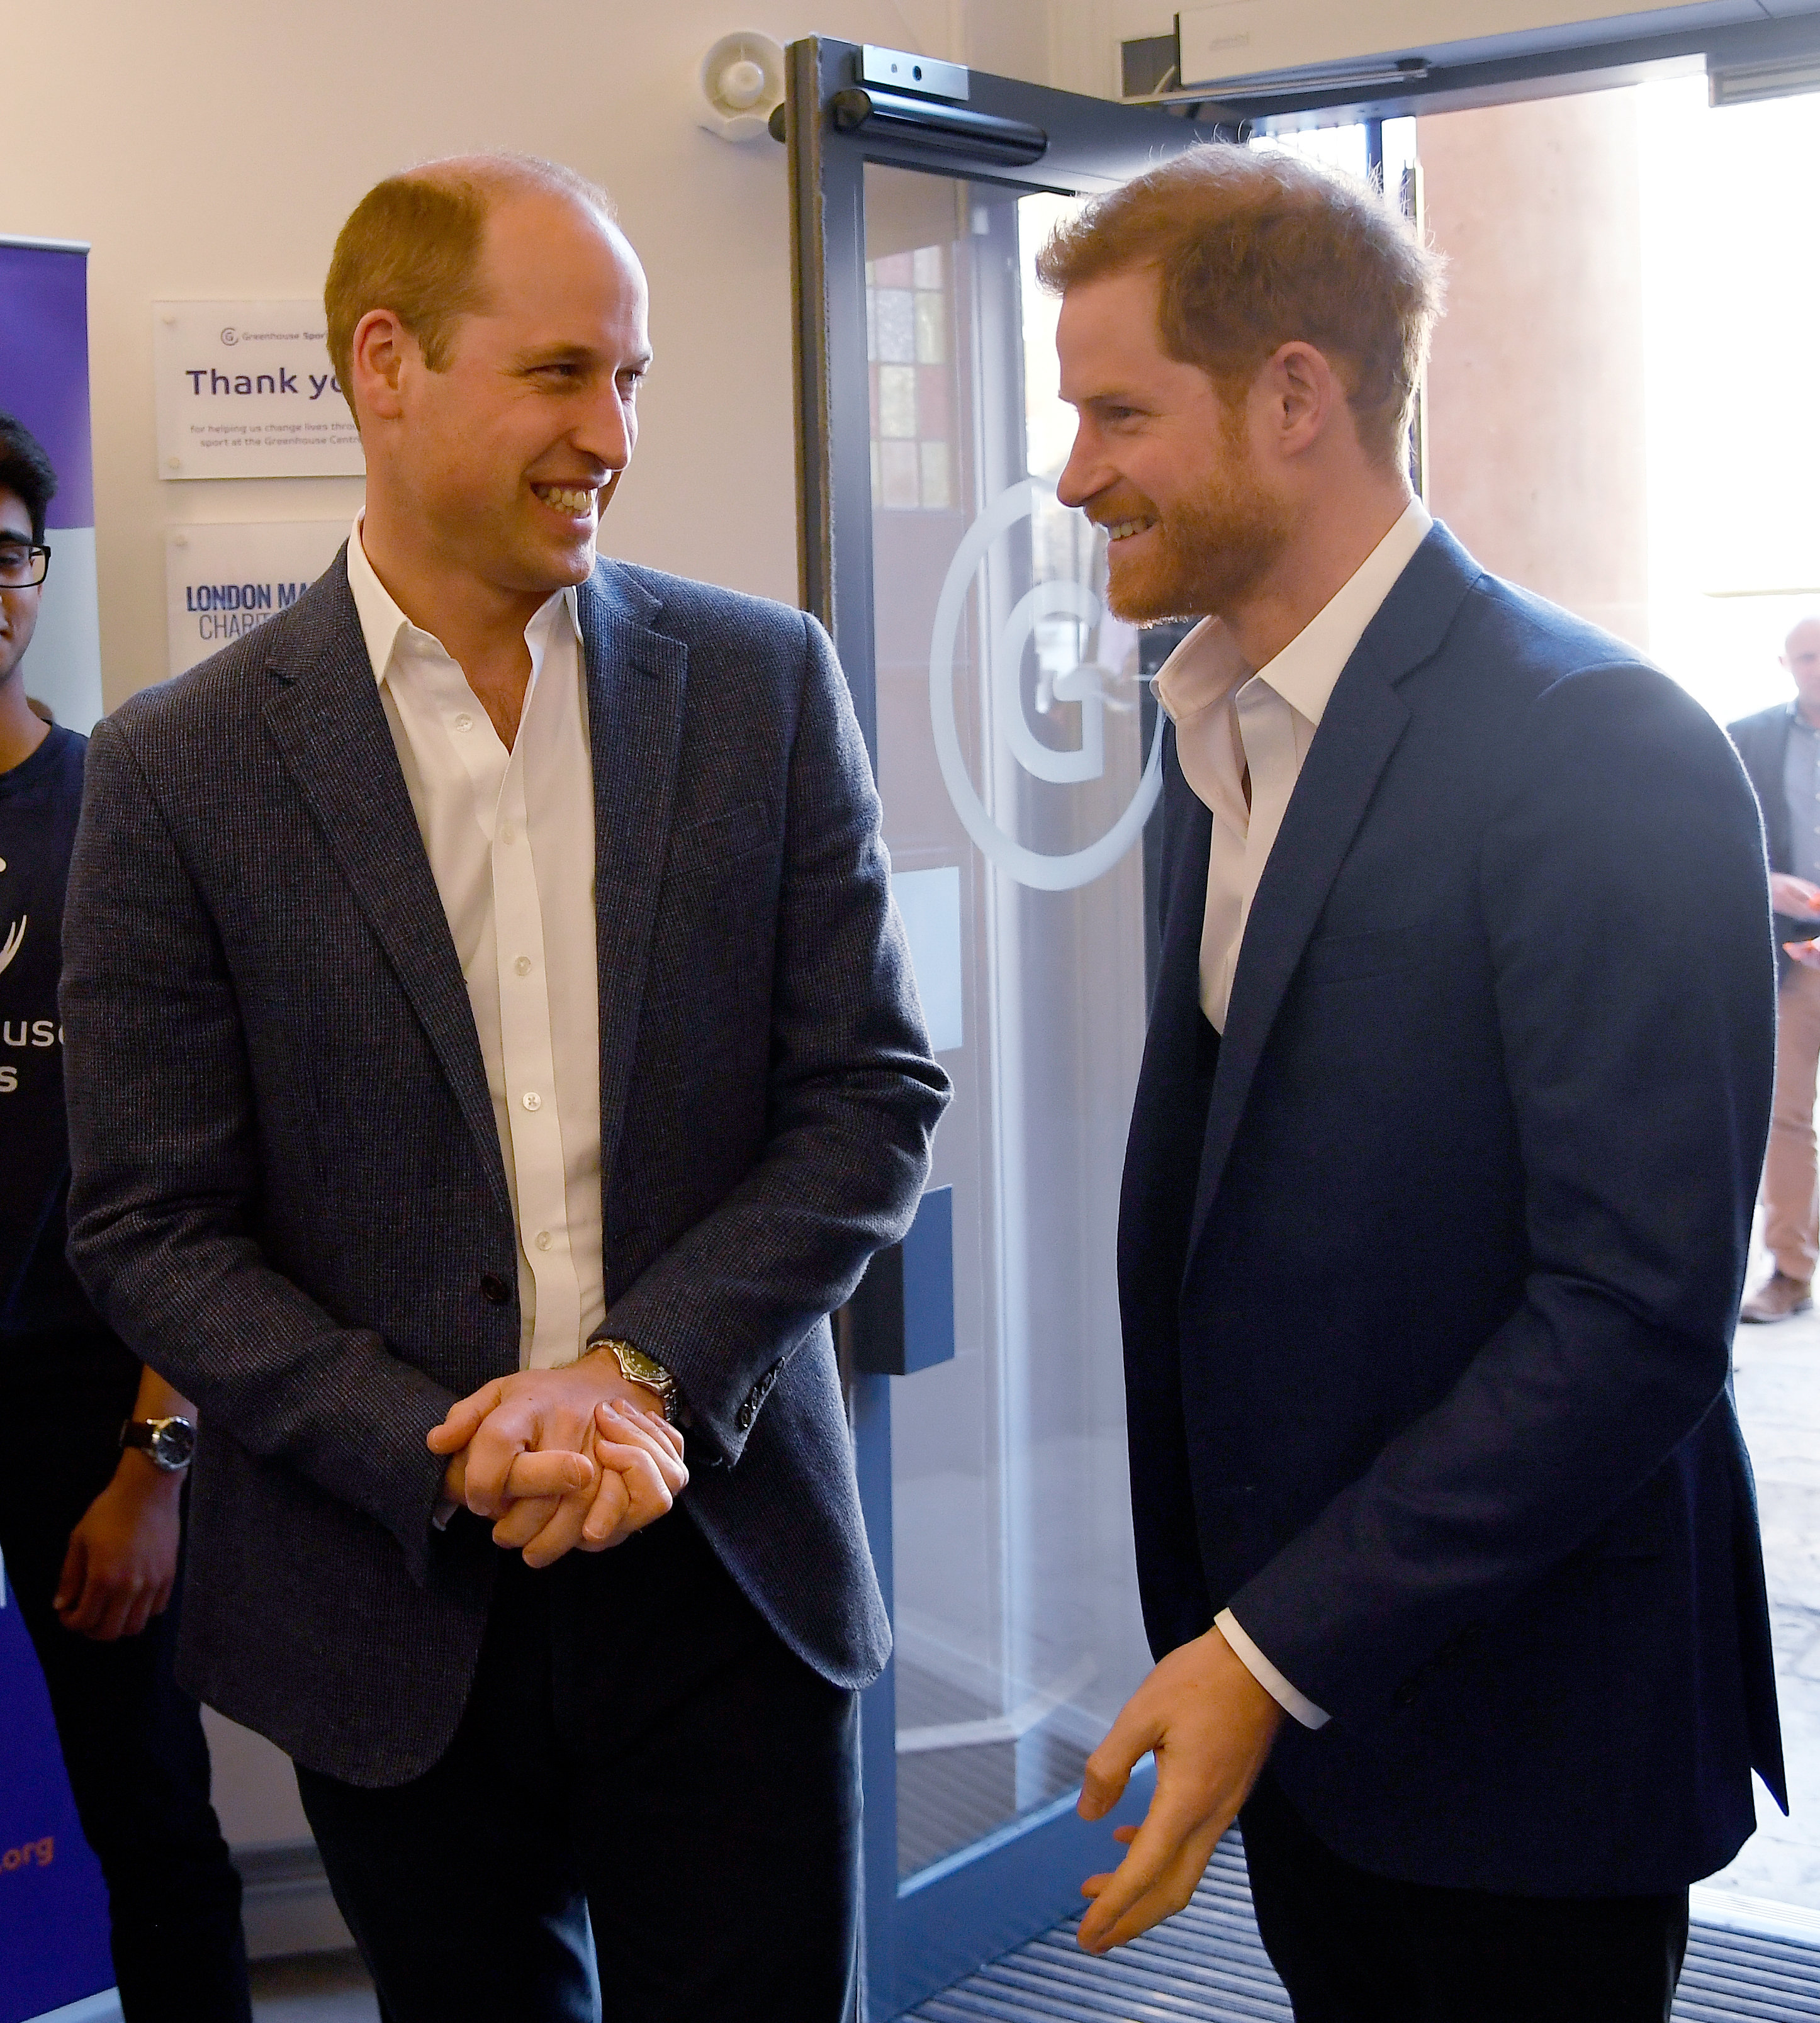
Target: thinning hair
[[412, 245], [1255, 248], [26, 471]]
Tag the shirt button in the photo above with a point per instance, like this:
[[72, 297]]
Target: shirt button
[[464, 722], [507, 833], [532, 1099], [543, 1239], [523, 965]]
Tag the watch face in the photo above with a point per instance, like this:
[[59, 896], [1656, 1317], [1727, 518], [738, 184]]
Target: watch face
[[641, 1368], [173, 1443]]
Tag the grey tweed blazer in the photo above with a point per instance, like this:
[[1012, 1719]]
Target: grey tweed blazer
[[287, 1192]]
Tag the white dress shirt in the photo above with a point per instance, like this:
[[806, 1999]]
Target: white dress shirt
[[510, 837], [1227, 718]]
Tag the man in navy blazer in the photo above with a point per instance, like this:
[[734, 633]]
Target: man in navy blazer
[[491, 1053], [1439, 1174]]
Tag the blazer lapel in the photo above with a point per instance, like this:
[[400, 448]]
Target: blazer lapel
[[330, 726], [1364, 721], [637, 678]]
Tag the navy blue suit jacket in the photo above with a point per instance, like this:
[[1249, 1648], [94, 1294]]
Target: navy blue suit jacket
[[1763, 745], [1427, 1331]]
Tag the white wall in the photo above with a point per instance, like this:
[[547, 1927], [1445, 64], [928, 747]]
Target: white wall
[[213, 148]]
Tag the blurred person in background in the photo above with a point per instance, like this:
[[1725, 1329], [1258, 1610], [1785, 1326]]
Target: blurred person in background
[[91, 1501], [1780, 746]]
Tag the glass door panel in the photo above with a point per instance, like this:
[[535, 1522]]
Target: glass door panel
[[1013, 771]]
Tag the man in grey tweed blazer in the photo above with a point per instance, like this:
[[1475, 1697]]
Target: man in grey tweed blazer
[[330, 1178]]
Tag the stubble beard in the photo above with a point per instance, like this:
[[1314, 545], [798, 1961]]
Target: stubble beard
[[1207, 556]]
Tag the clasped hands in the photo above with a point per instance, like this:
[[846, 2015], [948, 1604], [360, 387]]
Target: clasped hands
[[576, 1457]]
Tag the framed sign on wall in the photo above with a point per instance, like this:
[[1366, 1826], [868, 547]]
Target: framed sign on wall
[[247, 389]]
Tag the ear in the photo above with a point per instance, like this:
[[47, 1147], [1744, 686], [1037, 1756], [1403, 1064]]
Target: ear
[[383, 349], [1302, 397]]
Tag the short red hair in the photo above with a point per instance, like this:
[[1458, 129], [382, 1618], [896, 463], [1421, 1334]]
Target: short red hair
[[1254, 249], [412, 245]]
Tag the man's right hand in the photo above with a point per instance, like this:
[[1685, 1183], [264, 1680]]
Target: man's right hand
[[1795, 897], [547, 1456]]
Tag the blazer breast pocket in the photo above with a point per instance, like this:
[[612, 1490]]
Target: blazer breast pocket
[[1352, 958], [722, 839]]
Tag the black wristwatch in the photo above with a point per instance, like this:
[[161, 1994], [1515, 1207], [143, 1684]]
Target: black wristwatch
[[168, 1444]]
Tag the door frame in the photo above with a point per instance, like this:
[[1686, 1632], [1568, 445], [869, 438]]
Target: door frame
[[933, 1928], [1507, 69]]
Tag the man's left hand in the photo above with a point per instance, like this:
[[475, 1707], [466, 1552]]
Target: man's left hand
[[1211, 1726], [121, 1562]]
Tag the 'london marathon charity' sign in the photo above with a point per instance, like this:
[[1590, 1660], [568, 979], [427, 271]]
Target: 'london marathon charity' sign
[[246, 390], [221, 581]]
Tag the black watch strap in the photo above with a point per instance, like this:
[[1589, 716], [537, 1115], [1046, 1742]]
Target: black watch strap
[[168, 1444]]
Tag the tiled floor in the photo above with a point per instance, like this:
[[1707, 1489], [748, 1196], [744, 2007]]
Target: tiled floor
[[319, 1987]]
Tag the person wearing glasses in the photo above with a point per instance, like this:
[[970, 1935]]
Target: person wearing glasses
[[91, 1501]]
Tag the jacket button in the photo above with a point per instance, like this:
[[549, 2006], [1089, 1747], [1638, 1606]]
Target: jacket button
[[748, 1412], [1407, 1694], [494, 1289]]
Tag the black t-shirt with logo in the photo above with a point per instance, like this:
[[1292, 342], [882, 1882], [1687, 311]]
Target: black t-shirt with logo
[[48, 1332]]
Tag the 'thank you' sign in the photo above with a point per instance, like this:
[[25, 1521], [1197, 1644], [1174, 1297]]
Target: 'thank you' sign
[[246, 390]]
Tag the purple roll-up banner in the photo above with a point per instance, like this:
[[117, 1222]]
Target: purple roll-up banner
[[54, 1960], [44, 382]]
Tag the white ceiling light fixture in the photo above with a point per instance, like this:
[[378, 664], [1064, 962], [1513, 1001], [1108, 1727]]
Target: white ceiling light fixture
[[742, 79]]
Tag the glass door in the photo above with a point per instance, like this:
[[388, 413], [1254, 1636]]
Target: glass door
[[1014, 746]]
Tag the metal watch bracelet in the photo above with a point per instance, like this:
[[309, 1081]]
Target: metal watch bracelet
[[636, 1367]]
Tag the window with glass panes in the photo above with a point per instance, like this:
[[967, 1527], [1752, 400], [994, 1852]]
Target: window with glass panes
[[907, 344]]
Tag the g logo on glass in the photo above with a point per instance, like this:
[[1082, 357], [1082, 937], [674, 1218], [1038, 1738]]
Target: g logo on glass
[[1056, 598]]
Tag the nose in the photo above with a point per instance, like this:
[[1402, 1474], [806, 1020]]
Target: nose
[[609, 431], [1084, 475]]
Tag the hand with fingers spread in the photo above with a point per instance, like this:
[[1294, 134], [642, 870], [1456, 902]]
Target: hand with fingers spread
[[1211, 1726], [528, 1450]]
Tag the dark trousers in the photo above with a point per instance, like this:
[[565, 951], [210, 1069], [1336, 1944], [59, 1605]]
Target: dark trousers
[[1353, 1948], [639, 1751], [132, 1739]]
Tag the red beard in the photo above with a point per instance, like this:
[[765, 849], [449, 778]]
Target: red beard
[[1206, 554]]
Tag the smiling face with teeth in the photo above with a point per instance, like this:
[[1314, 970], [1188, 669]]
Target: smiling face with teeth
[[1162, 461], [486, 479]]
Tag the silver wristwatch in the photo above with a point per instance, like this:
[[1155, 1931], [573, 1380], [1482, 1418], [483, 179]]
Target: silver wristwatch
[[168, 1444]]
